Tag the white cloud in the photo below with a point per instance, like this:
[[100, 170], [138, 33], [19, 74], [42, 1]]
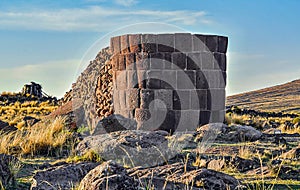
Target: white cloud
[[126, 3], [95, 18], [56, 77]]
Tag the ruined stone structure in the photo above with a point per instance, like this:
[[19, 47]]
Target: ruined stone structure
[[169, 81], [164, 81], [33, 89]]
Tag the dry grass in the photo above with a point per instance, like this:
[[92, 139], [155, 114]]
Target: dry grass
[[41, 138]]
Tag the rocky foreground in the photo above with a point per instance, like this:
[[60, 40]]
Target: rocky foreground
[[215, 156]]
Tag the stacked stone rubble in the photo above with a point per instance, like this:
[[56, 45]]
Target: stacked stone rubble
[[169, 81]]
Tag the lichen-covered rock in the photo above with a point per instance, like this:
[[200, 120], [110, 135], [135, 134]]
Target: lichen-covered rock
[[235, 133], [61, 177], [110, 176], [131, 147]]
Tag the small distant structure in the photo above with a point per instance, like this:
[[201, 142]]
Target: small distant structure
[[33, 89]]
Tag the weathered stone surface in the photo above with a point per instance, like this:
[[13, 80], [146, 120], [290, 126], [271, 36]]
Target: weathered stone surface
[[212, 43], [124, 44], [217, 165], [183, 42], [222, 44], [149, 43], [133, 98], [115, 44], [133, 148], [165, 97], [179, 61], [61, 177], [147, 96], [199, 43], [220, 61], [114, 123], [186, 79], [235, 133], [181, 99], [108, 175], [135, 42], [198, 99], [194, 61], [165, 43]]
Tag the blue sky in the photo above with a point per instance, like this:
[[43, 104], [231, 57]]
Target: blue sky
[[49, 41]]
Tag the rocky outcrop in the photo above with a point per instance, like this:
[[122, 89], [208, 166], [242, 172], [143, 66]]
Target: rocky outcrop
[[235, 133], [61, 177], [108, 175]]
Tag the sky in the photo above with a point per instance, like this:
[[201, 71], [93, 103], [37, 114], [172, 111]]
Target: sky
[[51, 41]]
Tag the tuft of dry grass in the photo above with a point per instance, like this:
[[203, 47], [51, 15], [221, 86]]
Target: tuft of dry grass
[[39, 139]]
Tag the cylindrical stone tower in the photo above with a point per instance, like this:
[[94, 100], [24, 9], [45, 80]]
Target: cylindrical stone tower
[[172, 82]]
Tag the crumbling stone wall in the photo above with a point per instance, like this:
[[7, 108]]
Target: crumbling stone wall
[[169, 81]]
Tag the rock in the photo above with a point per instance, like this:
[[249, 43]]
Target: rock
[[178, 173], [114, 123], [216, 164], [287, 172], [4, 127], [222, 132], [61, 177], [108, 175], [133, 148], [244, 165], [7, 178], [30, 121]]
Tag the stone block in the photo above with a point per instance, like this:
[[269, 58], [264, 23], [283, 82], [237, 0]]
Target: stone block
[[147, 96], [132, 98], [217, 98], [124, 44], [183, 42], [141, 78], [186, 79], [122, 99], [142, 61], [178, 61], [167, 60], [181, 99], [207, 60], [215, 78], [212, 43], [222, 44], [220, 61], [217, 116], [168, 123], [116, 100], [142, 115], [165, 42], [198, 99], [199, 43], [157, 61], [193, 61], [153, 80], [168, 79], [189, 120], [122, 62], [132, 79], [134, 43], [115, 62], [149, 43], [130, 61], [115, 44], [121, 80], [204, 117], [201, 80], [163, 99]]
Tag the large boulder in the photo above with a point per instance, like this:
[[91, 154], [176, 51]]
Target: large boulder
[[222, 132], [7, 177], [132, 148], [108, 175], [61, 177]]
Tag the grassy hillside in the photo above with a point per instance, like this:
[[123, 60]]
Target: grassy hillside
[[285, 97]]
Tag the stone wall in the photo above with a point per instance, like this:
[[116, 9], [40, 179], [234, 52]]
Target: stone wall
[[169, 81]]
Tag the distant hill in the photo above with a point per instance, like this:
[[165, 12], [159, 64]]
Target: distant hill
[[284, 97]]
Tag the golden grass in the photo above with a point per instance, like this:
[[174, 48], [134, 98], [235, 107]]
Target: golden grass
[[40, 138]]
